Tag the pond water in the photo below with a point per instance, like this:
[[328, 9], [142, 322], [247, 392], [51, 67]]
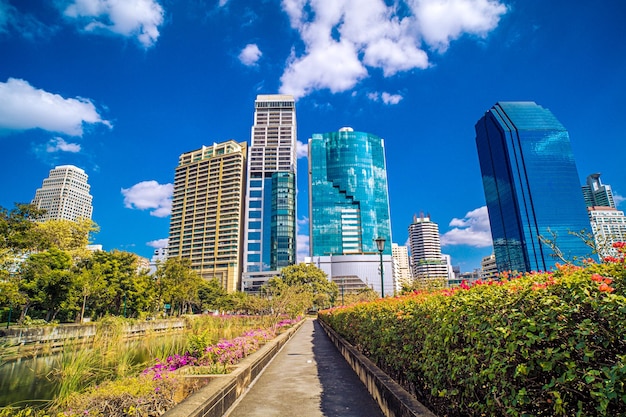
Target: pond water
[[32, 381], [26, 382]]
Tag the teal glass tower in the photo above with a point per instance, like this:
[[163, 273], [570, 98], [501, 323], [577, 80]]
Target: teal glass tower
[[348, 194], [531, 187]]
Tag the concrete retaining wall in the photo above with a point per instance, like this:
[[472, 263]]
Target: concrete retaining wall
[[32, 341], [393, 400], [214, 399]]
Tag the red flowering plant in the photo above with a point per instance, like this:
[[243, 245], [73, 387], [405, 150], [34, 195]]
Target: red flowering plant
[[543, 343]]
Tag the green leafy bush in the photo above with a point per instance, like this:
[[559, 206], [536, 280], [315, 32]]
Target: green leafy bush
[[541, 344]]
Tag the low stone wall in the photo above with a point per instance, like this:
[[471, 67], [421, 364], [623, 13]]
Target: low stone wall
[[221, 392], [31, 341], [393, 400]]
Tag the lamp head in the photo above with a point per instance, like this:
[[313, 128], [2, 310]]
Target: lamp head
[[380, 243]]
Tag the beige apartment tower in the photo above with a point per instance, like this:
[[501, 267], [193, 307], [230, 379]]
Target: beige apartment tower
[[207, 211], [64, 195]]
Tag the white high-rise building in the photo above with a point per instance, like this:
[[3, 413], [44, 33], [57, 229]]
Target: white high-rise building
[[609, 226], [65, 195], [596, 193], [270, 205], [425, 245]]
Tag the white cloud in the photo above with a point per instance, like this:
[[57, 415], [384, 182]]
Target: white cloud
[[24, 107], [618, 199], [129, 18], [59, 144], [158, 244], [443, 21], [471, 230], [386, 98], [250, 55], [391, 98], [342, 37], [302, 150], [302, 240], [150, 195]]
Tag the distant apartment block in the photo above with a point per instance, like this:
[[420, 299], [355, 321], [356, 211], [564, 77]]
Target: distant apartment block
[[401, 266], [608, 226], [270, 214], [349, 207], [207, 211], [426, 258], [531, 186], [65, 195], [488, 267], [158, 257]]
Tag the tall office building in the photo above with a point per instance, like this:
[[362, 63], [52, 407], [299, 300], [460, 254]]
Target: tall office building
[[426, 258], [349, 207], [65, 195], [207, 211], [531, 186], [270, 223], [596, 193]]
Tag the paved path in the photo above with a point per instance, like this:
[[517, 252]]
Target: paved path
[[307, 378]]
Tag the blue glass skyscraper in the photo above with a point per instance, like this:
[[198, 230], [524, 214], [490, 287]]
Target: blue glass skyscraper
[[349, 202], [349, 210], [531, 186]]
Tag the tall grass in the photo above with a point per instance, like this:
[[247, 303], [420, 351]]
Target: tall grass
[[112, 357], [74, 369]]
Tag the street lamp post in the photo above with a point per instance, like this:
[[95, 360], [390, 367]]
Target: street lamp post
[[380, 244]]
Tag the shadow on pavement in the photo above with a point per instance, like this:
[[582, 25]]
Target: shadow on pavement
[[343, 394]]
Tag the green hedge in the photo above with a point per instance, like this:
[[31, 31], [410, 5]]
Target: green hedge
[[542, 344]]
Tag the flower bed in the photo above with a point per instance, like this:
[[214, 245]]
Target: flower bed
[[539, 344], [216, 359], [159, 387]]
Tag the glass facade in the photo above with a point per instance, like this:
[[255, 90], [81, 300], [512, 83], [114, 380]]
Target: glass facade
[[270, 226], [349, 202], [531, 186]]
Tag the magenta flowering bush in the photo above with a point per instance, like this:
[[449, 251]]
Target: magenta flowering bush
[[218, 357]]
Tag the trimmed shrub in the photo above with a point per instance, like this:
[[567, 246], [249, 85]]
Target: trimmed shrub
[[541, 344]]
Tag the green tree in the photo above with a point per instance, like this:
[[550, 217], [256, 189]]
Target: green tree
[[89, 281], [46, 281], [315, 280], [177, 284], [67, 234], [18, 236], [119, 270], [213, 296]]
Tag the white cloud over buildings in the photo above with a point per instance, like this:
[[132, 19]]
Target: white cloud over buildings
[[342, 39], [471, 230], [138, 19], [58, 144], [387, 98], [24, 107], [150, 195], [250, 55], [158, 244]]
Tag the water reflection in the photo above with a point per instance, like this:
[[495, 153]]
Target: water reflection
[[33, 381]]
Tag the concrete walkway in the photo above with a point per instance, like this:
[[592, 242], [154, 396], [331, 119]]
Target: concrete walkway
[[307, 378]]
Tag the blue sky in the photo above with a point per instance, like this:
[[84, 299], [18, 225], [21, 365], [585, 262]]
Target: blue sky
[[120, 88]]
